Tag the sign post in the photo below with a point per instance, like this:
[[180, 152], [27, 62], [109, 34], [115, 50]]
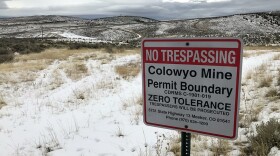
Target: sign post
[[192, 85], [185, 144]]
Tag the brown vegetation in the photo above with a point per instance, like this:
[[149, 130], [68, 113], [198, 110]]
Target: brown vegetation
[[128, 71]]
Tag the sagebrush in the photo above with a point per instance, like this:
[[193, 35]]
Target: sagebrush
[[268, 136]]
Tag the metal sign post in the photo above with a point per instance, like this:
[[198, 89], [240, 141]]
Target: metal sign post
[[185, 144]]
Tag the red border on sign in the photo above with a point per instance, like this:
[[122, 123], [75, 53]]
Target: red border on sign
[[237, 98]]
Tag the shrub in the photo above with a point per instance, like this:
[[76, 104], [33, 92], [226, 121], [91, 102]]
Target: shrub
[[6, 55], [272, 94], [75, 46], [109, 49], [37, 48], [27, 45], [175, 145], [268, 136], [265, 82], [222, 147], [19, 47], [31, 45]]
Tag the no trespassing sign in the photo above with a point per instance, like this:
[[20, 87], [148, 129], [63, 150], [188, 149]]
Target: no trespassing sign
[[192, 85]]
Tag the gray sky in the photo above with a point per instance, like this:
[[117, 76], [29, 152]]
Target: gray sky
[[159, 9]]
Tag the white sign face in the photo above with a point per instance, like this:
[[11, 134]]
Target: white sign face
[[192, 85]]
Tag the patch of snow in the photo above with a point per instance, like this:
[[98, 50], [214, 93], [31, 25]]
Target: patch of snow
[[71, 35], [163, 26], [274, 152], [253, 62]]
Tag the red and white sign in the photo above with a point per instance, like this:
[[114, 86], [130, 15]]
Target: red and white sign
[[192, 85]]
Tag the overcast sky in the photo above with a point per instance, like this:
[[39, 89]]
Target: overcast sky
[[158, 9]]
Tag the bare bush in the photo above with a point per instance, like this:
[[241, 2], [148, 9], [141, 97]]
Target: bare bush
[[221, 147], [175, 145], [268, 136], [136, 114], [159, 146], [49, 142], [272, 94], [265, 81]]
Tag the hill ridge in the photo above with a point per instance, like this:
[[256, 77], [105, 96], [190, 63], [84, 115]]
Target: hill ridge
[[261, 28]]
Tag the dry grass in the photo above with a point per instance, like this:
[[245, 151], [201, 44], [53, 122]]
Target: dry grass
[[262, 68], [75, 70], [262, 50], [56, 80], [159, 146], [250, 74], [276, 57], [276, 48], [24, 66], [275, 107], [63, 54], [278, 78], [265, 81], [250, 54], [121, 51], [79, 54], [128, 71], [250, 113], [136, 101], [17, 77], [137, 113], [80, 96], [39, 61], [52, 54], [273, 94], [199, 143], [175, 145], [261, 76], [105, 84], [139, 100], [246, 54], [2, 102], [255, 111], [221, 147]]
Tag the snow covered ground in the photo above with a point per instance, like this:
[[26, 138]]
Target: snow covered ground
[[99, 113], [78, 38]]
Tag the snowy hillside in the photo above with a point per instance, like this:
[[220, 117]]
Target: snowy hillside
[[121, 20], [89, 102], [254, 28]]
